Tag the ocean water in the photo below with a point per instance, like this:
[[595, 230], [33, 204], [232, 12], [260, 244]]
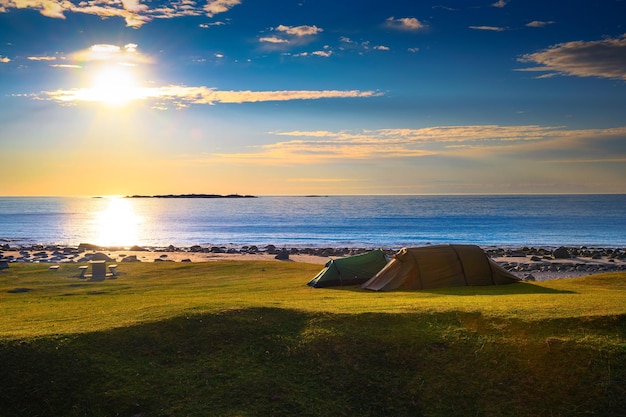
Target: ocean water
[[333, 221]]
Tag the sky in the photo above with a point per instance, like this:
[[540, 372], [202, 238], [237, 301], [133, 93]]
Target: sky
[[281, 97]]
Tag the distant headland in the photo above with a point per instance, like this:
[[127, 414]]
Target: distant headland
[[192, 196]]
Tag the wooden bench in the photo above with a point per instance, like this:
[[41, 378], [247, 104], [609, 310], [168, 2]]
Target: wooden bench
[[83, 269]]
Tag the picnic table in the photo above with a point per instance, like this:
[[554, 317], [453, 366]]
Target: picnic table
[[98, 270]]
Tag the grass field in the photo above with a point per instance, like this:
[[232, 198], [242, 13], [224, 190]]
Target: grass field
[[251, 339]]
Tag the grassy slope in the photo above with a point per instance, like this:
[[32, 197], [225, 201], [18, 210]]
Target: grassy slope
[[250, 339]]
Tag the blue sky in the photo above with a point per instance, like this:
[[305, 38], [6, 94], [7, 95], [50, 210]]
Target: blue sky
[[312, 97]]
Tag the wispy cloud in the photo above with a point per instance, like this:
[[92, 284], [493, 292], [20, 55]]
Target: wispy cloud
[[314, 147], [404, 23], [127, 54], [604, 58], [585, 161], [273, 39], [324, 53], [539, 23], [293, 35], [500, 4], [65, 66], [322, 180], [182, 96], [488, 28], [208, 25], [42, 58], [100, 53]]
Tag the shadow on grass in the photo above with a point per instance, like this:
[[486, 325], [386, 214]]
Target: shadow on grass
[[521, 288], [275, 362]]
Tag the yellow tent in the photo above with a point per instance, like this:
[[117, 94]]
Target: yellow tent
[[439, 266]]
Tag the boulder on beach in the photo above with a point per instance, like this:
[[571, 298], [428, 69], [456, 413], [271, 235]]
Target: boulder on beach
[[99, 256], [561, 253], [131, 258], [87, 246]]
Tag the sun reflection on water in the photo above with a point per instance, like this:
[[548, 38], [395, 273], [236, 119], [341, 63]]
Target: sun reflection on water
[[117, 224]]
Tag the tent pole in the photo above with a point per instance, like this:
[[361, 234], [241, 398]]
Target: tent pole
[[458, 258]]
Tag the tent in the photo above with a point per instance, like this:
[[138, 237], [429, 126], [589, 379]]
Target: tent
[[439, 266], [351, 270]]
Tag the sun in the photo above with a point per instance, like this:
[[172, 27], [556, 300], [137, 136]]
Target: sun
[[114, 85], [117, 224]]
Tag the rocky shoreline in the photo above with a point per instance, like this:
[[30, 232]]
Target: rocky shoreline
[[528, 263]]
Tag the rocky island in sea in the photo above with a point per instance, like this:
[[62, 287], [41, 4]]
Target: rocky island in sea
[[192, 196]]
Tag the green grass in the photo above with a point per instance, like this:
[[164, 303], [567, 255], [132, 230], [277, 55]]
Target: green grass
[[251, 339]]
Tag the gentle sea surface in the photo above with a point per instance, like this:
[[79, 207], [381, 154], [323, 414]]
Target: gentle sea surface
[[334, 221]]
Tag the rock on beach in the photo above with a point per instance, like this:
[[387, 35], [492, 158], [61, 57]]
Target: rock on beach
[[525, 262]]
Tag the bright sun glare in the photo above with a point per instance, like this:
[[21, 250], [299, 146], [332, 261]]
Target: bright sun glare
[[114, 86], [117, 224]]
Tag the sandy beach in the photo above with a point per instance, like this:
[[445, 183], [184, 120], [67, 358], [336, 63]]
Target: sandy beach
[[534, 264]]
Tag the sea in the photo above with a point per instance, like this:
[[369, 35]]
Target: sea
[[389, 222]]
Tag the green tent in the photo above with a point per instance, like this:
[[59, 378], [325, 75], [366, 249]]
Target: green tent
[[351, 270], [439, 266]]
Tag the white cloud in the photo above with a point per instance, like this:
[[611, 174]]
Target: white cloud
[[4, 59], [42, 58], [382, 48], [488, 28], [604, 58], [299, 31], [324, 54], [128, 54], [539, 23], [54, 9], [134, 6], [500, 3], [404, 23], [273, 39], [182, 96], [135, 12], [292, 35], [214, 7], [208, 25]]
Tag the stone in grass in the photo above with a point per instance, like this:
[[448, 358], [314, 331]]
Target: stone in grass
[[18, 290]]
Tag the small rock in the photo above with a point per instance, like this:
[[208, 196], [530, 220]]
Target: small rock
[[561, 253], [131, 258], [99, 256]]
